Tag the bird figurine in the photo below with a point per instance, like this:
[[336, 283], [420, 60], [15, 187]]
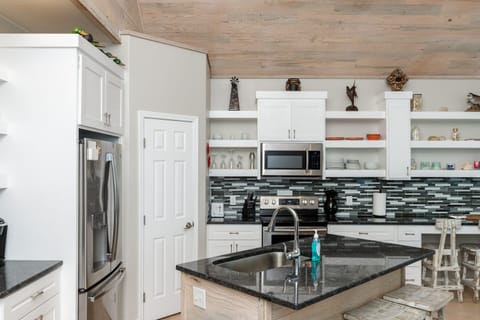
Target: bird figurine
[[352, 94], [474, 102]]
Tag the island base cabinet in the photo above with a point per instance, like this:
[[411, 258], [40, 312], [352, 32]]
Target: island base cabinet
[[226, 303], [37, 301]]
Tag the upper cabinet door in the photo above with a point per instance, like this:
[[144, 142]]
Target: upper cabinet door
[[92, 93], [398, 134], [114, 102], [274, 120], [101, 92], [308, 120]]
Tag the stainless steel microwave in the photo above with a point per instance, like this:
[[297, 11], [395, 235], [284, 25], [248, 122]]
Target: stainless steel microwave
[[291, 159]]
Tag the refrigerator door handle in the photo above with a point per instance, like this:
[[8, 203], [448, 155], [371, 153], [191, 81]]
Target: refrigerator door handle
[[109, 285], [106, 202], [116, 210]]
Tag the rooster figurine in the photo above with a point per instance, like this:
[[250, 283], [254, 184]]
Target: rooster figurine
[[352, 94], [474, 102]]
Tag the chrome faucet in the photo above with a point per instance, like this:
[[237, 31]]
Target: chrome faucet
[[295, 253]]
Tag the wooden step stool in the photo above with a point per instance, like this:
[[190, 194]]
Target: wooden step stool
[[380, 309], [429, 300], [470, 255]]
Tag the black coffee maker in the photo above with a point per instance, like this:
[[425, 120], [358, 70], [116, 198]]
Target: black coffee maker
[[3, 239], [330, 205]]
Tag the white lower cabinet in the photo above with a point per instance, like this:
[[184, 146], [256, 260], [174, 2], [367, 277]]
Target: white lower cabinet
[[37, 301], [229, 238]]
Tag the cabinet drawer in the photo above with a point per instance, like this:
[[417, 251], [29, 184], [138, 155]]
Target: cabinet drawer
[[413, 274], [20, 303], [377, 233], [47, 311], [409, 234], [234, 232]]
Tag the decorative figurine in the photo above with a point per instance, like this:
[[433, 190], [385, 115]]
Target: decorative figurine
[[397, 79], [416, 102], [352, 94], [293, 84], [234, 102], [474, 102]]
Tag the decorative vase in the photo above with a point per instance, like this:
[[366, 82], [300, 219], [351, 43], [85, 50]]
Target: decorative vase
[[234, 102]]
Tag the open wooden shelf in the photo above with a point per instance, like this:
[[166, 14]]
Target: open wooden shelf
[[220, 114], [445, 144], [374, 144], [355, 115], [233, 172], [445, 115], [233, 143], [330, 173]]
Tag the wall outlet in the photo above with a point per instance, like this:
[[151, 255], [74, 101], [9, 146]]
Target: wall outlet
[[233, 200], [348, 200], [199, 298], [217, 209]]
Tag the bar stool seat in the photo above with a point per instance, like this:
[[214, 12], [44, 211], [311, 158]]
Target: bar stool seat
[[423, 298], [380, 309], [470, 255]]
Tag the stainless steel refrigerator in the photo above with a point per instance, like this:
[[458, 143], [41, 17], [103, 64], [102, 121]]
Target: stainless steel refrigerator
[[100, 261]]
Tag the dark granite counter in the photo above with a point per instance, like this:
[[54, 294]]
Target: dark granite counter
[[345, 263], [16, 274]]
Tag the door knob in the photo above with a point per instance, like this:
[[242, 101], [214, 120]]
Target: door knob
[[189, 225]]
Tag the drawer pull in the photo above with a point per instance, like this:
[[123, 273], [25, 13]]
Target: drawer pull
[[233, 232], [409, 233], [37, 294], [410, 280], [363, 233]]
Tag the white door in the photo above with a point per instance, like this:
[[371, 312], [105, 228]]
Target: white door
[[169, 205]]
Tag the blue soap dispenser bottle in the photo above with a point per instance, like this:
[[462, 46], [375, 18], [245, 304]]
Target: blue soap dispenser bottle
[[315, 247]]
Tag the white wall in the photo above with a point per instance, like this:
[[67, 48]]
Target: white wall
[[167, 79], [437, 93], [39, 154]]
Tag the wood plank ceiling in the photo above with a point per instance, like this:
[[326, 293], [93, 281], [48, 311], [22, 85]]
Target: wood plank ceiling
[[324, 38]]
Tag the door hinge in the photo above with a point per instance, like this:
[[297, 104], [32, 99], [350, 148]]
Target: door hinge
[[144, 297], [144, 143]]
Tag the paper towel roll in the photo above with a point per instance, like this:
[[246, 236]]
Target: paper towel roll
[[379, 204]]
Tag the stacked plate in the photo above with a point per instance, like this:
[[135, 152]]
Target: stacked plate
[[353, 165], [335, 165]]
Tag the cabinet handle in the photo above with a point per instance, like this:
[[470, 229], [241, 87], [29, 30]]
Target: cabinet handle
[[408, 171], [288, 133], [363, 233], [37, 294], [236, 247], [294, 134], [105, 115], [410, 280], [409, 233], [233, 232], [231, 248]]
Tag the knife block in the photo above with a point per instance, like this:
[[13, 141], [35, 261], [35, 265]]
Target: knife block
[[248, 211]]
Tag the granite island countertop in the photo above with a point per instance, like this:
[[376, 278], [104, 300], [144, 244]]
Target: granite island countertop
[[345, 263], [16, 274]]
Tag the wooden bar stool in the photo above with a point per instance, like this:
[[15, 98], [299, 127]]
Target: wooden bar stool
[[429, 300], [470, 254], [380, 309], [438, 270]]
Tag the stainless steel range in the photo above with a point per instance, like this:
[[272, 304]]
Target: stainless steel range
[[306, 208]]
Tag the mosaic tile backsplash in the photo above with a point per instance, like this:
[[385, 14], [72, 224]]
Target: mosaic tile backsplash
[[419, 198]]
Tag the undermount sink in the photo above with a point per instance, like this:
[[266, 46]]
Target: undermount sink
[[260, 262]]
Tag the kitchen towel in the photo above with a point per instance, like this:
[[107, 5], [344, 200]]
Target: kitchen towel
[[379, 204]]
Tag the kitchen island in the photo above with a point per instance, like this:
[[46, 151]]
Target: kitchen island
[[350, 273]]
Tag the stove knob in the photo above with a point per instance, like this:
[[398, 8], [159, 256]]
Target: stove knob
[[304, 202], [265, 202], [312, 202], [274, 202]]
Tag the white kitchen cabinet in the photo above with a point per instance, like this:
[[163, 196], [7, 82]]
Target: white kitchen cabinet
[[101, 105], [398, 134], [3, 128], [369, 232], [291, 116], [38, 300], [230, 238]]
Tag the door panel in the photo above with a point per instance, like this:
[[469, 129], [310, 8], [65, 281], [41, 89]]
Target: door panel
[[168, 206], [92, 93], [308, 120], [274, 120]]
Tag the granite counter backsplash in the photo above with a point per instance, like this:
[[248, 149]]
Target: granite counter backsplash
[[416, 198]]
